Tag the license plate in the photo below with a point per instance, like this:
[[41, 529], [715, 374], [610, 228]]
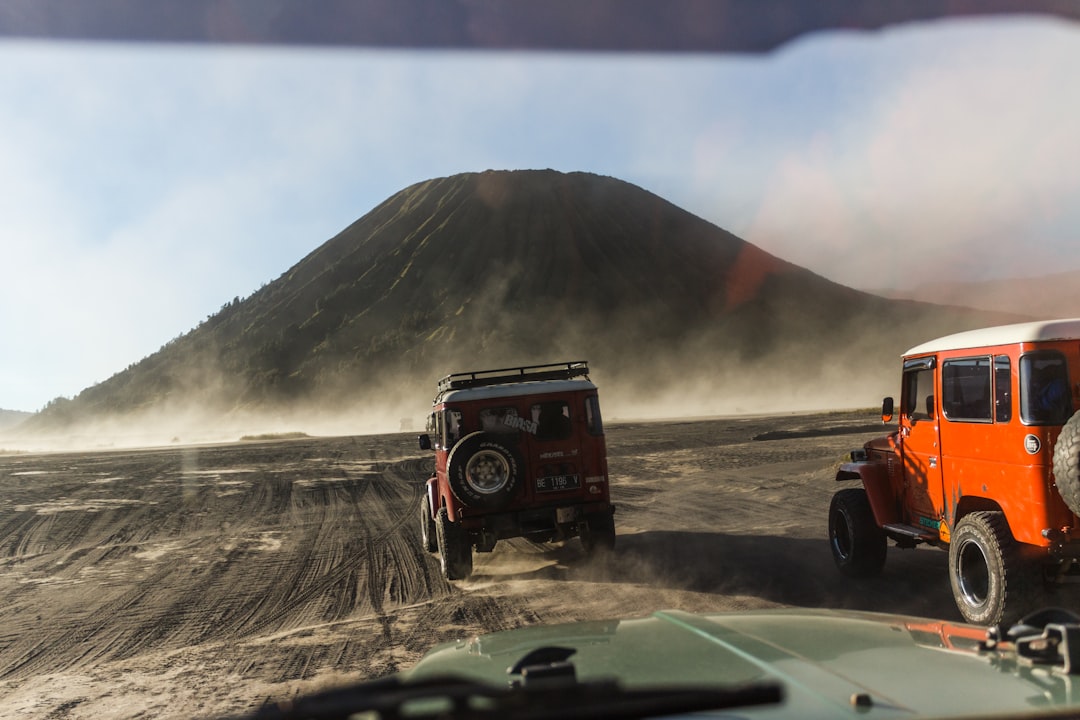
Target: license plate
[[555, 483]]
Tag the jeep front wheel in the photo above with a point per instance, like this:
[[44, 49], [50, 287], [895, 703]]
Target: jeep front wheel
[[483, 470], [455, 550], [858, 545], [1067, 463], [427, 526], [992, 582]]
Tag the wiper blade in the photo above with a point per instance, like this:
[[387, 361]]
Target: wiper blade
[[451, 697]]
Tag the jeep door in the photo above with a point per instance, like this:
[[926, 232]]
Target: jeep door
[[557, 452], [982, 455], [920, 449]]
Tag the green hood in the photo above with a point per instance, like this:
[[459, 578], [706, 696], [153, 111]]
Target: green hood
[[829, 663]]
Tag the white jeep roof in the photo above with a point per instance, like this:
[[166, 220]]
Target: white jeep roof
[[1041, 331], [486, 392]]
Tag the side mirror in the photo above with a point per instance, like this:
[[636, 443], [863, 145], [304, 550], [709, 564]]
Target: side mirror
[[886, 410], [425, 441]]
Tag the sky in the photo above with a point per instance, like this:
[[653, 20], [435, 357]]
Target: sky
[[142, 187]]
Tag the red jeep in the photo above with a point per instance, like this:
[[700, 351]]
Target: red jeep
[[519, 452], [985, 462]]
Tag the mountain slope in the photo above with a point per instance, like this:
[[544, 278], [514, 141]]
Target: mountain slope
[[11, 418], [489, 269], [1054, 295]]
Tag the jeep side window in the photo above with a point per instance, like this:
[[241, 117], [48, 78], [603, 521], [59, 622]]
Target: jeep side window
[[552, 420], [592, 416], [1002, 389], [918, 386], [965, 389], [502, 420], [451, 427], [1045, 398]]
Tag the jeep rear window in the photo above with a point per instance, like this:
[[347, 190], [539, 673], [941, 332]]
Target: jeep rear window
[[503, 420], [965, 389], [1045, 398], [552, 420]]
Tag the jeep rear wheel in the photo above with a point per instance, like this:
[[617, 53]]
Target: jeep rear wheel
[[455, 550], [598, 533], [1067, 463], [427, 526], [858, 545], [992, 582], [484, 471]]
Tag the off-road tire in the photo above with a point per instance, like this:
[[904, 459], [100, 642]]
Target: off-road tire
[[858, 545], [1067, 463], [491, 459], [992, 579], [598, 533], [427, 526], [455, 550]]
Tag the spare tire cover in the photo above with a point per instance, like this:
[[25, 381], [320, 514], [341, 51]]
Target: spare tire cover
[[484, 470], [1067, 463]]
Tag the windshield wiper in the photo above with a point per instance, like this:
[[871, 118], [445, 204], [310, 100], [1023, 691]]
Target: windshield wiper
[[453, 697]]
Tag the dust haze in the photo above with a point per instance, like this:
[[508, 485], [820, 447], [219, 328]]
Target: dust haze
[[783, 370], [648, 389]]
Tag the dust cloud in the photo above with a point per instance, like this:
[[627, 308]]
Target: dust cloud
[[731, 392], [198, 424], [650, 389]]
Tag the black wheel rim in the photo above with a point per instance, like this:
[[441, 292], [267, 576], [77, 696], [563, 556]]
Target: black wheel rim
[[841, 535], [972, 574]]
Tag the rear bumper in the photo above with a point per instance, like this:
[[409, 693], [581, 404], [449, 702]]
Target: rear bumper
[[540, 524]]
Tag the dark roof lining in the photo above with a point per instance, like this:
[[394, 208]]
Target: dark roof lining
[[603, 25]]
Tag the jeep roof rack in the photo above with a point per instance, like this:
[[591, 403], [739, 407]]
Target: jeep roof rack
[[525, 373]]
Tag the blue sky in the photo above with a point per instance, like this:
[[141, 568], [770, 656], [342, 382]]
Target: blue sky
[[142, 187]]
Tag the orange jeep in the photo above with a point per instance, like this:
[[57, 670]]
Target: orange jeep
[[985, 462], [519, 452]]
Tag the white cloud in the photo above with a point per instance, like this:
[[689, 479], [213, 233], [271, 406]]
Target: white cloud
[[966, 166]]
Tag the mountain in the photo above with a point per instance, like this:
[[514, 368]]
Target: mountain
[[482, 270], [1054, 295], [11, 418]]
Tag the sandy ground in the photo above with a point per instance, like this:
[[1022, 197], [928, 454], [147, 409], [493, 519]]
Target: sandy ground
[[205, 581]]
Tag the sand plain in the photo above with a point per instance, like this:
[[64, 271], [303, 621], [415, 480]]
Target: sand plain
[[202, 581]]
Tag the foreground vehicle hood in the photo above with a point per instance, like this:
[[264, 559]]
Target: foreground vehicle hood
[[828, 663]]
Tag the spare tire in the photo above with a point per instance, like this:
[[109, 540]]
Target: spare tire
[[484, 471], [1067, 463]]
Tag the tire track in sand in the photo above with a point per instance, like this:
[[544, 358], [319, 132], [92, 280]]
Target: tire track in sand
[[297, 545]]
